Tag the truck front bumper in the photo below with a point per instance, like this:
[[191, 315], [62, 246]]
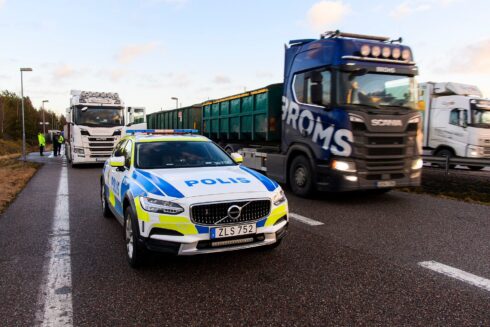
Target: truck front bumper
[[331, 180]]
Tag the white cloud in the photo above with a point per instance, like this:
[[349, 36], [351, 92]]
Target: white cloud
[[325, 14], [131, 52], [63, 71], [473, 59], [220, 79], [410, 7]]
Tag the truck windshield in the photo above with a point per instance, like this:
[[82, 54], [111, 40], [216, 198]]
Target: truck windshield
[[99, 116], [480, 112], [378, 90], [180, 154]]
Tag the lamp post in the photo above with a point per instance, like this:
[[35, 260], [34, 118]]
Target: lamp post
[[23, 122], [176, 102], [44, 122]]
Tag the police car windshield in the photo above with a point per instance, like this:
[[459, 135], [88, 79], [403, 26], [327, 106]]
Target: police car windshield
[[180, 154], [378, 90]]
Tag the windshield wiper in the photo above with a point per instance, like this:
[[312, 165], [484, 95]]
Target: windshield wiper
[[364, 105]]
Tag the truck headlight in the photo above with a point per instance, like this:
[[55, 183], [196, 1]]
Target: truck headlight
[[160, 206], [278, 197], [79, 150], [475, 151], [417, 164], [346, 166]]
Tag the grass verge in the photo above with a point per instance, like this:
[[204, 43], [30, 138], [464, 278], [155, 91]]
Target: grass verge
[[459, 185], [14, 175]]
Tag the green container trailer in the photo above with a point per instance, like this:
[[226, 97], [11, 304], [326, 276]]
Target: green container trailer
[[187, 117], [249, 116]]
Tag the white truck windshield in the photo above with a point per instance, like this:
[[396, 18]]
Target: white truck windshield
[[480, 112], [99, 116], [378, 90]]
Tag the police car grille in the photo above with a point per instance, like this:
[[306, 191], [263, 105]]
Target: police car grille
[[210, 214]]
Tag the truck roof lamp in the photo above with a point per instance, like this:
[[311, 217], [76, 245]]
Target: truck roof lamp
[[406, 54], [396, 53], [337, 33]]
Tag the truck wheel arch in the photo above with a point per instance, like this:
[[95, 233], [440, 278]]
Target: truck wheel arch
[[445, 147], [297, 150]]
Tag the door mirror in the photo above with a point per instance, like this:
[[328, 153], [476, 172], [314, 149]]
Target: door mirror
[[116, 162], [237, 158]]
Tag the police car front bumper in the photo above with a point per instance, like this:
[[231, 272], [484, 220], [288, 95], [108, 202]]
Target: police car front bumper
[[202, 244]]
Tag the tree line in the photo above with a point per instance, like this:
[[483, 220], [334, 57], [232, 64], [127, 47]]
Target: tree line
[[11, 118]]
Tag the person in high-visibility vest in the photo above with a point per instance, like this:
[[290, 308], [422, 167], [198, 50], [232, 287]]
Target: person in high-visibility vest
[[61, 140], [42, 143]]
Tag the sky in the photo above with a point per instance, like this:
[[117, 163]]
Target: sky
[[151, 50]]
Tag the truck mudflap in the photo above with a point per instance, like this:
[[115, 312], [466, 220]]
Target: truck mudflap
[[334, 181]]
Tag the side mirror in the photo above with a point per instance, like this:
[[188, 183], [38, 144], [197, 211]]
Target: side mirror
[[237, 158], [117, 162]]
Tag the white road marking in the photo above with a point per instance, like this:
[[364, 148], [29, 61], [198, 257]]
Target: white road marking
[[305, 220], [457, 274], [55, 300]]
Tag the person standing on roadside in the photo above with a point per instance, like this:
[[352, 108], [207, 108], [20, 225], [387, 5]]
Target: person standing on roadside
[[42, 143], [61, 140], [56, 144]]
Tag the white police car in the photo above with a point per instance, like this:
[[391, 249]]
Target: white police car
[[179, 193]]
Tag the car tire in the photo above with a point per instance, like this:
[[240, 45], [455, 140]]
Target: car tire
[[106, 212], [301, 177], [135, 253]]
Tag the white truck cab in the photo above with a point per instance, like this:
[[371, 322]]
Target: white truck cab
[[456, 120], [94, 125]]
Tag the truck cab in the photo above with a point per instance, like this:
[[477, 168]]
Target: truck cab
[[349, 115], [456, 120], [94, 124]]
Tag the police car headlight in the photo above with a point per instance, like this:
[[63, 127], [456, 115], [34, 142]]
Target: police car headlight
[[160, 206], [278, 197]]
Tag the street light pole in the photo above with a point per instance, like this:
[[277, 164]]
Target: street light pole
[[44, 121], [176, 102], [23, 121]]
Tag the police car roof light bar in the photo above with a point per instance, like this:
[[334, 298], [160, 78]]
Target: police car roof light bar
[[162, 131]]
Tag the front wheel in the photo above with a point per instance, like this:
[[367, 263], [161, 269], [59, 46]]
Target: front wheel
[[446, 153], [106, 212], [301, 176], [134, 251]]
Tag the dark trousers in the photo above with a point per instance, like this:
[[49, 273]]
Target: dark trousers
[[41, 150], [55, 149]]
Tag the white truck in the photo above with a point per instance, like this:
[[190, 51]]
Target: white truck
[[95, 121], [456, 120]]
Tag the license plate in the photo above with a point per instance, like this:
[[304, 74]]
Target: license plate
[[386, 183], [230, 231]]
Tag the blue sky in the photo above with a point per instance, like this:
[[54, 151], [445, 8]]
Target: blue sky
[[152, 50]]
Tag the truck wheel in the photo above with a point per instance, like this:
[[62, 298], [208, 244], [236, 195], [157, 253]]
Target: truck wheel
[[300, 176], [103, 198], [475, 168], [134, 251], [445, 153]]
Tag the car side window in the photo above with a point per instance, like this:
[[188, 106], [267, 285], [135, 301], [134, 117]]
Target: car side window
[[118, 149], [128, 151]]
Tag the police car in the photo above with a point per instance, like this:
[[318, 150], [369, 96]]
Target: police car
[[177, 192]]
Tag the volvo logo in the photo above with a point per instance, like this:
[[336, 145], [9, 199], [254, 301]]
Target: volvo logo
[[234, 212]]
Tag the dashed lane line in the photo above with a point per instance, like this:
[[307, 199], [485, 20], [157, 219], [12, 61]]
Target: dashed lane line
[[55, 300], [458, 274], [305, 220]]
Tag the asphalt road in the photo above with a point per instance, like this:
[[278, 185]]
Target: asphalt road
[[360, 267]]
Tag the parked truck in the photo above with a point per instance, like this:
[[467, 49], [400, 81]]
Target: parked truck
[[94, 124], [456, 121], [344, 119]]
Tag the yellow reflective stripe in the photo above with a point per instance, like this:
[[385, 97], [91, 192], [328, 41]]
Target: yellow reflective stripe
[[276, 214], [140, 213], [112, 198], [178, 223]]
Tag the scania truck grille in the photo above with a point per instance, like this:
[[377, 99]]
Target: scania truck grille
[[213, 213], [382, 156]]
